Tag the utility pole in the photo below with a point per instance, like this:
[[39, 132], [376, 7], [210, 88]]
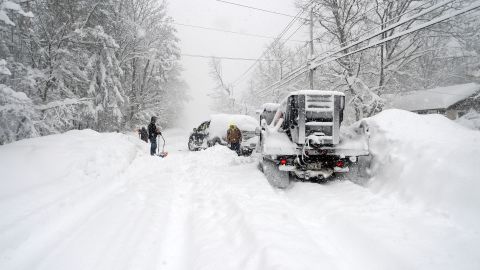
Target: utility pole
[[311, 49]]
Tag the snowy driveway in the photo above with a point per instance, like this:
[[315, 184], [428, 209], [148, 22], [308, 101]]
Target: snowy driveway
[[107, 205]]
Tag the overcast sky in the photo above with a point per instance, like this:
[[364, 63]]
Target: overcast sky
[[214, 14]]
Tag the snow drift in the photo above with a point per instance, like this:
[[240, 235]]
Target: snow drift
[[427, 159], [52, 185], [76, 155], [97, 201], [88, 200]]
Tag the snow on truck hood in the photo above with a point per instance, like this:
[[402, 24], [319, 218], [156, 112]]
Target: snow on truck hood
[[312, 92], [219, 123], [316, 92]]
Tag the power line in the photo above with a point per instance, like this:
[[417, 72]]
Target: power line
[[294, 74], [294, 32], [373, 28], [406, 32], [227, 58], [397, 17], [430, 91], [327, 54], [230, 32], [299, 70], [426, 11], [241, 77], [258, 9], [299, 50], [274, 42]]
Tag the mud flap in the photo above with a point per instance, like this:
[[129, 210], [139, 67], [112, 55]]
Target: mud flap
[[359, 172], [277, 178]]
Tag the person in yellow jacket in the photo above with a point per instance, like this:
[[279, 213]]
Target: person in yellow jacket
[[234, 138]]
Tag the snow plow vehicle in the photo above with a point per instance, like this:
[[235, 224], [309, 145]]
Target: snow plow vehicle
[[214, 131], [303, 139]]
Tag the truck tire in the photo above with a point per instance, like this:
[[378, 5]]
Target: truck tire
[[260, 165], [275, 177]]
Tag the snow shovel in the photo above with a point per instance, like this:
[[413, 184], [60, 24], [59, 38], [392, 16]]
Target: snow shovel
[[163, 153]]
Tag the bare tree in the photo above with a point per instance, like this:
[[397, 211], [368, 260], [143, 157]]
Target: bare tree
[[341, 21], [224, 101]]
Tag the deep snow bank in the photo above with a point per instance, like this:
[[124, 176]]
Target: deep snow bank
[[427, 159], [67, 157], [51, 186]]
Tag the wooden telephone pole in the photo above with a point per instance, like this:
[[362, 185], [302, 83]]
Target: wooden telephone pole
[[311, 50]]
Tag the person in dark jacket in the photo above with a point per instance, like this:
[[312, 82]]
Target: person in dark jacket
[[234, 138], [153, 131], [143, 133]]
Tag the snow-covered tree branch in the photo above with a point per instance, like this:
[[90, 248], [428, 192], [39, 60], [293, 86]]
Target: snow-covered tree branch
[[117, 59]]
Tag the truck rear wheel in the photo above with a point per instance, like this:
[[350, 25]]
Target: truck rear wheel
[[275, 177], [260, 166]]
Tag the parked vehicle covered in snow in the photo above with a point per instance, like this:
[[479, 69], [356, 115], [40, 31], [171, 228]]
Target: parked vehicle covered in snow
[[214, 131], [304, 138]]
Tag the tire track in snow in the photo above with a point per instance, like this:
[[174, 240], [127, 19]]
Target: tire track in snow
[[51, 233], [53, 229], [175, 251], [398, 235], [40, 210], [213, 210], [132, 223], [74, 184], [232, 219]]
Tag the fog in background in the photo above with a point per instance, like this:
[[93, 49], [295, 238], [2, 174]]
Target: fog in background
[[214, 14]]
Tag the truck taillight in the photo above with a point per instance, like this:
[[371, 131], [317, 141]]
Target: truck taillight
[[283, 161], [340, 164]]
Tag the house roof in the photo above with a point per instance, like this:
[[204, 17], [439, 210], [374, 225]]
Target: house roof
[[435, 98]]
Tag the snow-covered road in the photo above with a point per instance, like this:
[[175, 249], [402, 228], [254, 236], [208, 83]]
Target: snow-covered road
[[84, 200]]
